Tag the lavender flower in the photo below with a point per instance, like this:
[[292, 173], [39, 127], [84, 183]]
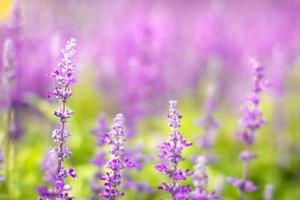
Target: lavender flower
[[170, 154], [136, 153], [99, 160], [11, 58], [9, 65], [116, 139], [1, 161], [252, 121], [101, 132], [268, 193], [11, 94], [209, 125], [56, 173], [200, 182]]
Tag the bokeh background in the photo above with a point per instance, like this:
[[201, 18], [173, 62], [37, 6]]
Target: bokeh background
[[134, 56]]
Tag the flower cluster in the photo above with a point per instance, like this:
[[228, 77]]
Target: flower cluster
[[11, 94], [56, 173], [1, 161], [268, 192], [100, 133], [170, 154], [200, 181], [209, 125], [252, 121], [9, 65], [138, 157], [116, 138]]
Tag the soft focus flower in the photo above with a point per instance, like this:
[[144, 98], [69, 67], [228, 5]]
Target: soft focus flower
[[242, 185], [251, 122], [268, 192], [200, 182], [210, 125], [140, 159], [11, 94], [101, 134], [1, 162]]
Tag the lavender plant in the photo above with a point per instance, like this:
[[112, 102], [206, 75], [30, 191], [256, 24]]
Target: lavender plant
[[99, 160], [1, 161], [12, 95], [268, 192], [101, 133], [200, 182], [138, 157], [209, 125], [13, 127], [116, 138], [170, 154], [251, 122], [56, 173]]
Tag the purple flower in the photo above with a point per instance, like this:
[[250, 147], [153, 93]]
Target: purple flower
[[99, 160], [242, 185], [11, 97], [203, 195], [170, 154], [136, 186], [113, 176], [138, 157], [9, 67], [1, 161], [101, 133], [247, 156], [200, 177], [251, 122], [102, 130], [200, 182], [268, 192], [209, 125], [56, 173]]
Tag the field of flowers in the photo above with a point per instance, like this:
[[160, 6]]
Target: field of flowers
[[142, 100]]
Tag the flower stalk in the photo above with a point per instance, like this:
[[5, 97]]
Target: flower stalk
[[64, 76], [170, 154], [251, 122]]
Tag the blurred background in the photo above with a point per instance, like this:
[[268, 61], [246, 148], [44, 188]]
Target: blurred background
[[134, 56]]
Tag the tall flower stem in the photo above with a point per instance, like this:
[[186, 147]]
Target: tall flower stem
[[64, 77], [8, 82], [251, 122], [116, 138], [62, 129], [170, 155]]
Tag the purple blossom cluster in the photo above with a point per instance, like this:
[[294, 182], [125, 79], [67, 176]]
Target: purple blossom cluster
[[170, 154], [200, 182], [140, 159], [2, 177], [9, 88], [101, 133], [210, 126], [116, 138], [141, 57], [56, 173], [268, 192], [99, 159], [251, 122]]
